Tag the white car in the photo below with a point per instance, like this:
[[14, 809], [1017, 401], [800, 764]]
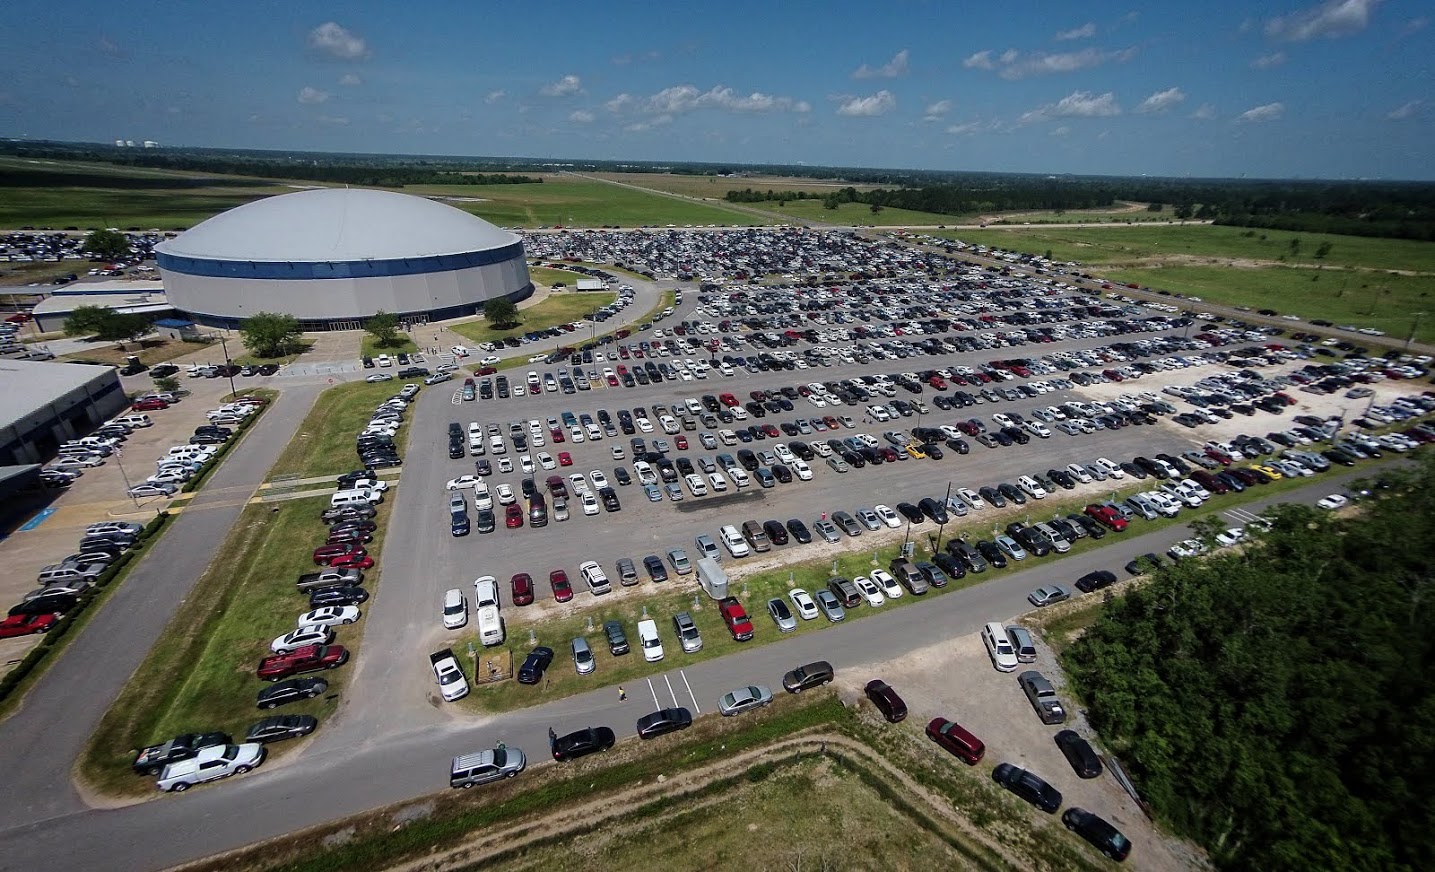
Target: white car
[[458, 351], [463, 481], [546, 460], [482, 499], [600, 480], [216, 761], [590, 503], [455, 609], [888, 516], [66, 463], [505, 495], [804, 603], [383, 360], [305, 635], [1230, 537], [490, 360], [801, 469], [869, 590], [525, 463], [1111, 469], [451, 683], [1333, 502], [971, 497], [999, 648], [644, 424], [152, 489], [1032, 488], [329, 616], [890, 588], [171, 476]]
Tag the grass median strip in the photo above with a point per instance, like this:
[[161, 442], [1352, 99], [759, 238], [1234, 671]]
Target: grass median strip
[[559, 308], [200, 676], [324, 444]]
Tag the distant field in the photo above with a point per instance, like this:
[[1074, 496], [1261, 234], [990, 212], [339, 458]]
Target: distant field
[[574, 202], [849, 214], [712, 186]]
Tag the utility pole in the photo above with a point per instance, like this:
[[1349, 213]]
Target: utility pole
[[228, 367], [1414, 325], [947, 501]]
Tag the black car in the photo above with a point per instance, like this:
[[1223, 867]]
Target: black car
[[776, 533], [664, 721], [610, 499], [932, 509], [1079, 753], [293, 690], [1145, 563], [807, 677], [1095, 580], [1102, 835], [589, 740], [281, 727], [620, 474], [952, 566], [892, 706], [486, 521], [799, 531], [40, 605], [993, 555], [1029, 786], [656, 571], [1012, 492], [911, 513], [337, 596], [538, 660]]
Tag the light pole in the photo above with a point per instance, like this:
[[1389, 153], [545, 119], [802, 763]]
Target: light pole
[[228, 367], [1414, 325], [942, 526]]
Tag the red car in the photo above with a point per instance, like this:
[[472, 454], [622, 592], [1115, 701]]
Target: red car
[[727, 400], [1220, 457], [357, 560], [513, 517], [771, 431], [310, 658], [681, 442], [522, 589], [325, 555], [149, 405], [955, 738], [557, 435], [25, 625], [831, 422], [1106, 516], [562, 589], [565, 459], [350, 534]]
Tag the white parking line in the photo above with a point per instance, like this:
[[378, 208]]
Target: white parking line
[[697, 709], [654, 692], [671, 692]]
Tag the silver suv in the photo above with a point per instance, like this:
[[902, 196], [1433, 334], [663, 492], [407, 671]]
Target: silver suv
[[687, 631]]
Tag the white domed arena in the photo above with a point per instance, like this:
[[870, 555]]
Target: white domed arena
[[332, 257]]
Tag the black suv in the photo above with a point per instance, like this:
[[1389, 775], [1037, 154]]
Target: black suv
[[1029, 786]]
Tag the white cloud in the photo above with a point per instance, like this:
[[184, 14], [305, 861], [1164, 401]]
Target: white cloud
[[1266, 61], [937, 111], [969, 127], [350, 80], [564, 87], [1204, 112], [1331, 20], [309, 95], [1060, 131], [335, 120], [1085, 31], [982, 60], [1414, 25], [1077, 104], [894, 68], [495, 96], [1012, 64], [1409, 110], [581, 116], [1268, 112], [338, 42], [1162, 100], [650, 124], [687, 98], [879, 103]]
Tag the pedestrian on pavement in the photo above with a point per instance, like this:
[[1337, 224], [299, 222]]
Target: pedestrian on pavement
[[622, 694]]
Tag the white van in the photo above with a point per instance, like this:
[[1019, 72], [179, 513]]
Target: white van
[[490, 625], [648, 640], [733, 541], [345, 498]]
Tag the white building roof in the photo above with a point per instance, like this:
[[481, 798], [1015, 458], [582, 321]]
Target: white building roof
[[31, 385], [337, 224]]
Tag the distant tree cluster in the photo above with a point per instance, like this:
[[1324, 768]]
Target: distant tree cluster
[[106, 324], [107, 244], [1277, 705]]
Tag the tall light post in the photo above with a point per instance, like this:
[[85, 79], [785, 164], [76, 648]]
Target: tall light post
[[946, 502], [1414, 325], [228, 367]]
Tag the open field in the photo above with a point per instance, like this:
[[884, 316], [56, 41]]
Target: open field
[[575, 202], [560, 308], [716, 188], [153, 351], [239, 606], [324, 444], [86, 196], [850, 214], [543, 276]]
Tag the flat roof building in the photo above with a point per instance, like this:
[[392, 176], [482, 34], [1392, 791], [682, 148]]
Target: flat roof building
[[45, 404]]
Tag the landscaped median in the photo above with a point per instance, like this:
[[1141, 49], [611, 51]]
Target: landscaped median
[[559, 308], [555, 626], [25, 673], [200, 675], [324, 444]]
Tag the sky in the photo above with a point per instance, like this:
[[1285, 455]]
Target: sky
[[1335, 89]]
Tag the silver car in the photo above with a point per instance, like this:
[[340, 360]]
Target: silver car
[[830, 605], [1050, 595], [743, 699], [687, 630], [707, 547], [583, 656], [781, 615], [828, 531]]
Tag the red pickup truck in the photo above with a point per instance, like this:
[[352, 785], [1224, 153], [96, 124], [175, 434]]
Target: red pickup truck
[[736, 618], [310, 658]]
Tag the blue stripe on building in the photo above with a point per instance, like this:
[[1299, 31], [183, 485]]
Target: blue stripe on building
[[349, 269]]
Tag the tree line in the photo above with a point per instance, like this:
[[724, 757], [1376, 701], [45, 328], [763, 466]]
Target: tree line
[[1277, 704]]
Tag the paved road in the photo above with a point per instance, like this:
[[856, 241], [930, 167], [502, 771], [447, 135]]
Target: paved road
[[332, 782], [62, 710]]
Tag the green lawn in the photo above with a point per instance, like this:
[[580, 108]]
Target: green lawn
[[369, 347], [545, 277], [202, 677], [854, 213], [575, 202], [559, 308], [324, 444]]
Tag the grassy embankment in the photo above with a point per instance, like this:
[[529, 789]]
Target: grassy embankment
[[559, 308], [324, 444]]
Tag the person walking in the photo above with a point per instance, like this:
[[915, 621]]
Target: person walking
[[622, 694]]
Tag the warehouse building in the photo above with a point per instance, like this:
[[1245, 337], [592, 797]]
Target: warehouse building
[[332, 257], [45, 404]]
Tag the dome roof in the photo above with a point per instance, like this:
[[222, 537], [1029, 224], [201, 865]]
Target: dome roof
[[337, 224]]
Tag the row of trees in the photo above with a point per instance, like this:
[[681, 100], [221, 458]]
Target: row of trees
[[107, 324], [1277, 705]]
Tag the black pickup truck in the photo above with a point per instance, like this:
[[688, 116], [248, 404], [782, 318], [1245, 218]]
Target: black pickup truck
[[152, 760]]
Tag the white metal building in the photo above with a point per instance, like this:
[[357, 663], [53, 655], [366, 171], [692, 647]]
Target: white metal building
[[332, 257], [45, 404]]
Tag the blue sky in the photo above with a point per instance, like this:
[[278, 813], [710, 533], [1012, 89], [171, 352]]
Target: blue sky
[[1335, 89]]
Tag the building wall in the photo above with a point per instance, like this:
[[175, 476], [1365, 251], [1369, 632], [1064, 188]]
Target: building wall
[[35, 438], [317, 302]]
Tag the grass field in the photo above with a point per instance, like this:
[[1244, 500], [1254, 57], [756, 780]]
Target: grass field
[[154, 351], [574, 202], [546, 277], [369, 347], [212, 649], [860, 214], [559, 308], [324, 444], [716, 188]]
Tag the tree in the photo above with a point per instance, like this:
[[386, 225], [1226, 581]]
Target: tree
[[120, 327], [502, 314], [270, 334], [1155, 207], [1322, 250], [107, 244], [875, 208], [384, 327], [85, 320], [166, 383]]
